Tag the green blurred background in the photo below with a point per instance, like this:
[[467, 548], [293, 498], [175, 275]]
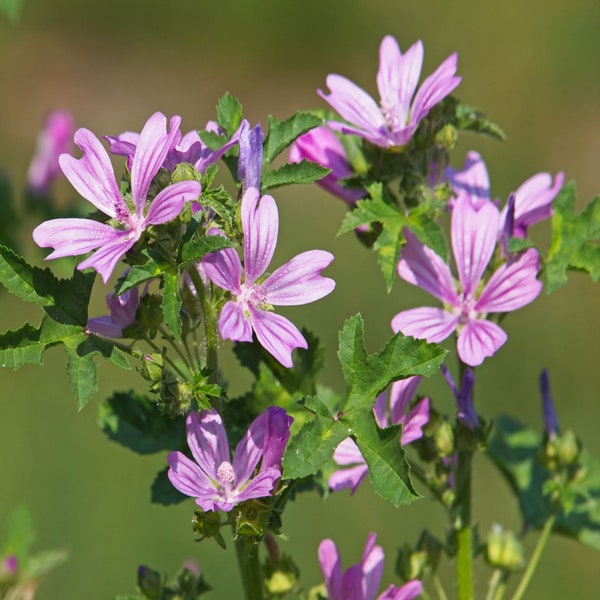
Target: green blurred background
[[532, 67]]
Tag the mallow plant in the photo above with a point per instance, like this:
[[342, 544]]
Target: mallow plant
[[186, 263]]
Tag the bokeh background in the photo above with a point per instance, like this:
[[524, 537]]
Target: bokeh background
[[532, 67]]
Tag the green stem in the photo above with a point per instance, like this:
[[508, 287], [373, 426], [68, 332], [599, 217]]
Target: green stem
[[535, 558], [167, 360], [439, 589], [497, 585], [249, 565], [169, 338], [462, 525]]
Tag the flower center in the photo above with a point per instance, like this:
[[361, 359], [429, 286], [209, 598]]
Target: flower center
[[254, 295], [225, 473], [395, 118], [466, 311]]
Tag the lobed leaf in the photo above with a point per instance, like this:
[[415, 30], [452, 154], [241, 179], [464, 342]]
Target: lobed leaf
[[293, 173], [171, 304], [20, 347], [282, 134], [229, 113]]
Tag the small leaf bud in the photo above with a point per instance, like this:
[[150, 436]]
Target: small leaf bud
[[503, 549]]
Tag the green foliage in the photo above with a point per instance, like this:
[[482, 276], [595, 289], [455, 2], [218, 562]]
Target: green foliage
[[229, 113], [163, 492], [470, 119], [293, 173], [365, 376], [12, 9], [133, 420], [8, 216], [575, 239], [282, 134], [380, 208], [516, 451], [65, 302]]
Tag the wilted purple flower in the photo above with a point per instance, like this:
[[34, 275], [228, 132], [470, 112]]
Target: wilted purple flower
[[94, 178], [52, 141], [322, 146], [548, 409], [9, 566], [393, 123], [513, 285], [464, 397], [188, 148], [388, 411], [122, 314], [360, 581], [250, 160], [298, 281], [213, 480]]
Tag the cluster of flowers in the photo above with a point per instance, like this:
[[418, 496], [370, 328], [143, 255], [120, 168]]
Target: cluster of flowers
[[489, 278]]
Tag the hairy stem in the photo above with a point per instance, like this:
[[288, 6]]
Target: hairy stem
[[249, 565], [462, 527]]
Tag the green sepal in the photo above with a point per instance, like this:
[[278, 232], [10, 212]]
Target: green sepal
[[132, 420], [137, 275], [574, 243], [519, 244], [515, 450], [195, 249], [304, 171], [282, 134], [470, 119]]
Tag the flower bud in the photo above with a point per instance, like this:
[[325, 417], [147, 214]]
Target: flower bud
[[444, 439], [208, 525], [185, 172], [150, 583], [447, 137], [503, 549], [281, 576]]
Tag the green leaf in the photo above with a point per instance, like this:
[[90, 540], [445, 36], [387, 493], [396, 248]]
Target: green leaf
[[12, 9], [82, 372], [219, 201], [519, 244], [515, 449], [132, 420], [282, 134], [470, 119], [20, 533], [195, 249], [163, 492], [229, 113], [303, 172], [171, 304], [21, 347], [575, 240], [137, 275]]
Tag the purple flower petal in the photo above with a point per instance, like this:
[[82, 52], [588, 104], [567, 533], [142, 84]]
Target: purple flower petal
[[414, 421], [224, 269], [408, 591], [371, 567], [276, 334], [278, 434], [250, 448], [260, 223], [512, 286], [471, 182], [93, 176], [474, 234], [429, 323], [422, 267], [260, 486], [170, 201], [478, 340], [207, 440], [299, 281], [331, 566], [233, 323], [250, 161], [187, 477]]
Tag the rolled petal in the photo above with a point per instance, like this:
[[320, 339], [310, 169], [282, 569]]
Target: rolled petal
[[124, 144], [372, 567], [72, 237], [354, 104], [153, 145], [435, 88], [188, 478], [512, 286], [477, 340], [105, 259], [408, 591], [299, 281], [260, 223], [278, 434], [169, 203], [401, 394], [207, 441], [331, 567], [398, 77], [471, 182], [431, 324], [250, 159], [474, 234], [422, 267], [93, 176], [413, 422], [276, 334], [233, 324], [104, 326]]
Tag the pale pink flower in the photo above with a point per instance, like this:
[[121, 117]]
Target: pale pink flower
[[93, 177], [122, 309], [392, 123]]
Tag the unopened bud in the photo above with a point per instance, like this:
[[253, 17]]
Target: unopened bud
[[503, 549], [281, 577], [149, 582], [568, 448], [447, 137], [444, 439], [185, 172]]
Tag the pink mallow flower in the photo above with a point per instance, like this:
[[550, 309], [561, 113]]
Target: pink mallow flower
[[298, 281], [52, 141], [392, 410], [474, 232], [360, 581], [122, 314], [211, 478], [392, 123], [94, 178], [322, 146], [532, 199]]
